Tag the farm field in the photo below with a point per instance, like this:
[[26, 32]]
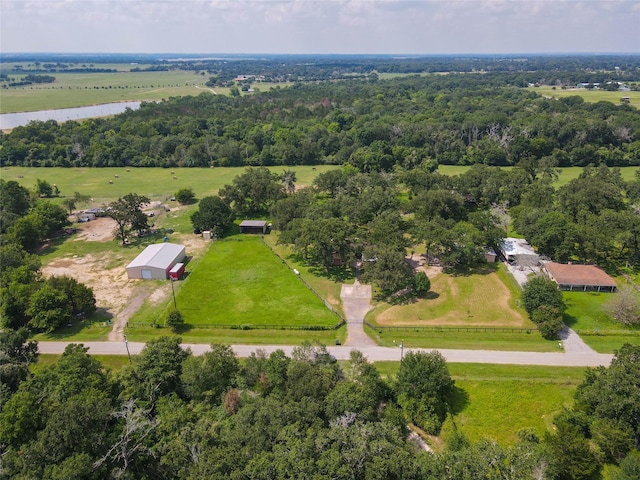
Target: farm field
[[155, 183], [82, 89], [592, 96], [159, 184]]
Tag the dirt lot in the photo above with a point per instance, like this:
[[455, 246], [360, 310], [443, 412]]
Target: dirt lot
[[105, 273]]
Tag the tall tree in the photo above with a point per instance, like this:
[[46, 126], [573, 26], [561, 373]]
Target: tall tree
[[128, 214]]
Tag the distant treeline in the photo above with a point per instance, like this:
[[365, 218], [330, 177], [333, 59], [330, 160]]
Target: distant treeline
[[457, 119], [28, 80]]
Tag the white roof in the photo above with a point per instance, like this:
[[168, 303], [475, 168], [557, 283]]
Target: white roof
[[159, 255], [516, 246]]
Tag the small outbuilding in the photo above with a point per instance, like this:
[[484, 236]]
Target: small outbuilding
[[518, 252], [253, 226], [156, 261], [580, 277]]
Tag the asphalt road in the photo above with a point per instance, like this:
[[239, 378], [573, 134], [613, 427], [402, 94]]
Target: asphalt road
[[374, 354]]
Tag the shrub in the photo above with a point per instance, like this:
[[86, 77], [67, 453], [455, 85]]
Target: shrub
[[175, 320], [185, 196], [422, 283]]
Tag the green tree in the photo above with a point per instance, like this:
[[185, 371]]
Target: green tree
[[70, 203], [48, 309], [549, 321], [422, 283], [128, 215], [43, 188], [17, 353], [540, 291], [629, 467], [213, 214], [424, 387], [388, 269], [185, 196], [254, 192], [207, 377], [175, 320], [15, 202]]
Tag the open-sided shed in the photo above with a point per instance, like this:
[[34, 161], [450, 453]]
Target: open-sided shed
[[253, 226], [156, 261], [580, 277]]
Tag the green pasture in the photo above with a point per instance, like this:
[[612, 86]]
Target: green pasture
[[598, 330], [241, 282], [156, 183], [592, 96], [82, 89]]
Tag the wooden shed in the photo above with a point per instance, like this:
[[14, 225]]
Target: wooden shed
[[580, 277], [156, 261]]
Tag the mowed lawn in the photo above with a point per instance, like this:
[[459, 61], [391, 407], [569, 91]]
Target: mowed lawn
[[241, 282], [481, 298], [586, 316]]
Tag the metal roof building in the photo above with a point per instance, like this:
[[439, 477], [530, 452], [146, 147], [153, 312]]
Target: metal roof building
[[253, 226], [155, 261]]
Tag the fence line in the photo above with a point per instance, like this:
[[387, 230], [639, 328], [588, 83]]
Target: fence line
[[313, 290], [436, 329], [245, 327]]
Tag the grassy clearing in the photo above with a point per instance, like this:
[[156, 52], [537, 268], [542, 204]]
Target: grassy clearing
[[241, 282], [495, 401], [601, 332], [592, 96]]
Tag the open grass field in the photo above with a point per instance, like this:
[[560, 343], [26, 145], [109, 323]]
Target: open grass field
[[241, 282], [592, 96], [155, 183], [82, 89]]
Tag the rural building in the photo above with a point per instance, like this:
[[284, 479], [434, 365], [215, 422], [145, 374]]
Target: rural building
[[579, 277], [518, 252], [177, 271], [490, 255], [253, 226], [156, 261]]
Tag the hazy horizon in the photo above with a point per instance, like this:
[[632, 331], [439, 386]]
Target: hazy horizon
[[321, 27]]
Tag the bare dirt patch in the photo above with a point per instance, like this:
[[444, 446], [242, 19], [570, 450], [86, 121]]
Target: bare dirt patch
[[115, 293]]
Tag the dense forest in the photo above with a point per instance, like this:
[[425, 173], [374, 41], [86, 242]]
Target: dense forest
[[171, 414], [374, 125]]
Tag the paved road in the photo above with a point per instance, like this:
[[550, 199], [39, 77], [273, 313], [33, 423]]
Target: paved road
[[356, 302], [568, 359]]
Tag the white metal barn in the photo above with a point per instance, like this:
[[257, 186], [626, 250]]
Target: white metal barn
[[155, 261]]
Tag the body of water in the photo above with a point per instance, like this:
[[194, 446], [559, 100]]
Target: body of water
[[12, 120]]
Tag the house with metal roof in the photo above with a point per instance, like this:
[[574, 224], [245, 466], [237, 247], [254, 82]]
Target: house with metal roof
[[253, 226], [156, 261]]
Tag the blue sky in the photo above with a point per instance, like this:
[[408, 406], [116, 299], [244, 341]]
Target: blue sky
[[320, 26]]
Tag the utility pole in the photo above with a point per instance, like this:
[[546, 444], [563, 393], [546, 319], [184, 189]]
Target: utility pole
[[174, 295], [126, 344]]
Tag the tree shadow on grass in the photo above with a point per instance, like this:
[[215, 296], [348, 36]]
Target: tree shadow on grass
[[480, 269], [100, 318], [458, 401]]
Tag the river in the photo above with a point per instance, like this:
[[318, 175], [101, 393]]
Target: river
[[12, 120]]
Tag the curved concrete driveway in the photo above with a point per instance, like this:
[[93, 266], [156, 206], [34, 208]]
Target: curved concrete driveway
[[568, 359]]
